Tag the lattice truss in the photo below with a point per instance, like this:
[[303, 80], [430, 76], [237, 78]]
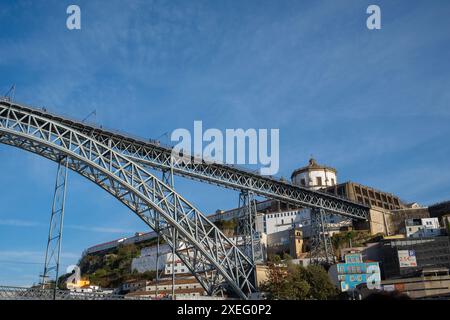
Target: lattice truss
[[51, 266], [17, 293], [156, 156], [245, 233], [321, 248], [214, 259], [160, 158]]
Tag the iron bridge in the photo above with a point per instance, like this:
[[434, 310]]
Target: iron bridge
[[121, 164]]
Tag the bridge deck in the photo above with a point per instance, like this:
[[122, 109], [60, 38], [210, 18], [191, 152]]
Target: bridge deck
[[156, 156]]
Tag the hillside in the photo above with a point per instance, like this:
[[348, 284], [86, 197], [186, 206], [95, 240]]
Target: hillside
[[109, 269]]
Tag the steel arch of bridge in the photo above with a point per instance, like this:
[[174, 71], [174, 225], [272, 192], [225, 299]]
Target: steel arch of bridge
[[214, 259], [154, 156]]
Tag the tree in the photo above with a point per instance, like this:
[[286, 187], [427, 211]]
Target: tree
[[287, 257], [321, 286], [285, 285], [298, 283]]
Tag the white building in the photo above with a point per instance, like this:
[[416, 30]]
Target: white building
[[137, 238], [147, 260], [281, 221], [314, 176], [177, 265], [421, 228]]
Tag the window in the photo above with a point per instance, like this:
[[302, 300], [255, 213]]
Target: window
[[303, 182], [332, 182], [319, 181]]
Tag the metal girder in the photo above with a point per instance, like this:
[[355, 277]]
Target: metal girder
[[321, 250], [18, 293], [215, 260], [159, 157], [53, 252], [246, 223]]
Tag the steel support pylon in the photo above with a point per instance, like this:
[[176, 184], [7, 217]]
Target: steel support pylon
[[168, 178], [246, 234], [321, 250], [53, 252]]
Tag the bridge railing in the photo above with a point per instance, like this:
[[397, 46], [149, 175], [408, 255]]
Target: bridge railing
[[20, 293]]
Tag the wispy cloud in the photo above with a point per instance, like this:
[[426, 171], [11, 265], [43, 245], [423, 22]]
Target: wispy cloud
[[99, 229], [32, 256], [86, 228], [19, 223]]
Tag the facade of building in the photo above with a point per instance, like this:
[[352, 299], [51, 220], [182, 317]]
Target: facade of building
[[367, 195], [431, 283], [150, 261], [137, 238], [284, 220], [288, 241], [409, 257], [147, 261], [167, 263], [278, 221], [399, 217], [314, 176], [422, 228], [353, 272]]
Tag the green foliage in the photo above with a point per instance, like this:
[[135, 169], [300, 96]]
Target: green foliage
[[62, 281], [321, 286], [287, 257], [357, 238], [274, 258], [298, 283], [112, 268], [227, 226]]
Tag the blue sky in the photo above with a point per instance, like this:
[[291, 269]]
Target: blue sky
[[373, 104]]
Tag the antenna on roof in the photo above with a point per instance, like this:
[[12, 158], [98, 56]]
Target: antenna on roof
[[93, 113], [11, 93]]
